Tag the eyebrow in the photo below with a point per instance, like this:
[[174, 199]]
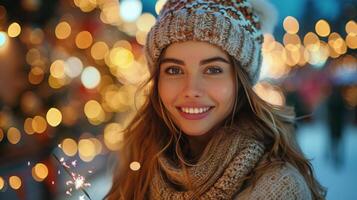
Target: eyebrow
[[202, 62]]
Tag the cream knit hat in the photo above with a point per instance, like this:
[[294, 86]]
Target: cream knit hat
[[233, 25]]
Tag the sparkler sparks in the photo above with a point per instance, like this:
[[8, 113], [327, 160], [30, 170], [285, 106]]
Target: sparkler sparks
[[78, 181]]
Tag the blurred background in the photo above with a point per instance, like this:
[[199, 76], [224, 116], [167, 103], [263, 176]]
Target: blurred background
[[69, 70]]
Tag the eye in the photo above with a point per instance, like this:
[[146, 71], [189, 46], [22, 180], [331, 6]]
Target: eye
[[173, 70], [214, 70]]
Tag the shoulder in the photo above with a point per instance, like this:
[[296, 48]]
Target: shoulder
[[280, 182]]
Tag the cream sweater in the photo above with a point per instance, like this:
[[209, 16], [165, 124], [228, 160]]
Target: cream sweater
[[279, 183]]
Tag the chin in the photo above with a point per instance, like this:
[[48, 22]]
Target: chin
[[192, 131]]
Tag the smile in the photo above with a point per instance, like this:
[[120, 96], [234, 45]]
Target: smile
[[194, 110]]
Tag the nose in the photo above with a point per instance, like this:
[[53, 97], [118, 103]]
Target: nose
[[193, 87]]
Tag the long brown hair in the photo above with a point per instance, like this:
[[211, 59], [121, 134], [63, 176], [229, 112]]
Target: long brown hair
[[151, 132]]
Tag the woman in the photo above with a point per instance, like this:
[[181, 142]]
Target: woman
[[203, 132]]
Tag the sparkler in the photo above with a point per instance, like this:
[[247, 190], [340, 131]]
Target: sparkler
[[77, 180]]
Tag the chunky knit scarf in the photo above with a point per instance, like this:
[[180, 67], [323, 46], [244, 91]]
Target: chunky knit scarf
[[228, 158]]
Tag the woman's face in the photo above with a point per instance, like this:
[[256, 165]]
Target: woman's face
[[196, 85]]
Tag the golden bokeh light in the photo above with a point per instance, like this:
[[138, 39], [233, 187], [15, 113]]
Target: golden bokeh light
[[57, 69], [39, 124], [92, 109], [14, 30], [63, 30], [36, 75], [145, 22], [39, 172], [292, 41], [322, 28], [69, 147], [135, 166], [56, 83], [28, 126], [141, 37], [54, 117], [113, 136], [159, 5], [1, 134], [270, 93], [124, 44], [36, 36], [86, 5], [98, 145], [121, 57], [351, 41], [351, 27], [291, 25], [2, 183], [98, 50], [84, 39], [86, 149], [32, 56], [311, 41], [15, 182], [13, 135]]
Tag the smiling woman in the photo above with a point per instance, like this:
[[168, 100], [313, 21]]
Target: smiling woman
[[203, 133]]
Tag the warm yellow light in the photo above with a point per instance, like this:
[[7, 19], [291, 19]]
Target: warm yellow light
[[39, 124], [97, 144], [124, 44], [13, 135], [63, 30], [291, 25], [84, 39], [36, 75], [121, 57], [39, 172], [351, 41], [291, 41], [69, 147], [92, 109], [98, 50], [86, 5], [2, 183], [1, 134], [32, 56], [322, 28], [141, 37], [113, 136], [145, 22], [159, 5], [56, 83], [36, 36], [14, 30], [135, 166], [311, 41], [86, 149], [57, 69], [54, 117], [351, 27], [28, 126], [15, 182]]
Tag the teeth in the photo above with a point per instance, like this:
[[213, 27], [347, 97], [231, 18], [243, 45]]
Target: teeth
[[194, 110]]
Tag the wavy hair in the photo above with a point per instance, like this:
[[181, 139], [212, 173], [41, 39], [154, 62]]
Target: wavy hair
[[151, 132]]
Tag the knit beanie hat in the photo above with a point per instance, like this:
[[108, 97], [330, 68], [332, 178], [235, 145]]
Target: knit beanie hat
[[233, 25]]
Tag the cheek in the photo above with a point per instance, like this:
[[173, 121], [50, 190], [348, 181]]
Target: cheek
[[223, 92], [168, 91]]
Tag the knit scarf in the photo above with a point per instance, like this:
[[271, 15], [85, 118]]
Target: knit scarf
[[228, 158]]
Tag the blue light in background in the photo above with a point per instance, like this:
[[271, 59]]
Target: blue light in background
[[2, 39], [130, 10]]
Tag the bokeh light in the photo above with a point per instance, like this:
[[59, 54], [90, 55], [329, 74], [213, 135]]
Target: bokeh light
[[13, 135], [14, 30], [291, 25], [63, 30], [135, 166], [2, 183], [86, 149], [54, 117], [69, 147], [84, 39], [90, 77], [322, 28], [39, 172], [130, 10], [15, 182]]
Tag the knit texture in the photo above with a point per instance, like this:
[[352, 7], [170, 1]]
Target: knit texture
[[279, 183], [231, 25], [229, 157]]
